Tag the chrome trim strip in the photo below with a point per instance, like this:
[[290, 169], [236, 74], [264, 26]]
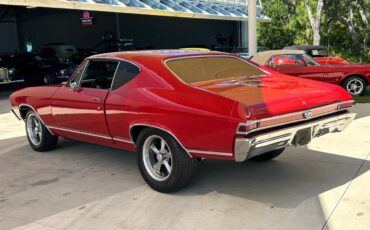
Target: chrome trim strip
[[120, 139], [153, 126], [29, 106], [210, 152], [291, 114], [81, 132]]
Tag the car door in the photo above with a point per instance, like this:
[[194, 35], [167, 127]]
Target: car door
[[295, 65], [78, 107]]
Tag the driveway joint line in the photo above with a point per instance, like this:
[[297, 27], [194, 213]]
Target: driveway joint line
[[349, 184]]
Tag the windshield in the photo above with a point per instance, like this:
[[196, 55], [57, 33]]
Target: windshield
[[309, 60], [198, 69]]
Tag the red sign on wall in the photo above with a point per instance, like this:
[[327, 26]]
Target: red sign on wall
[[87, 19]]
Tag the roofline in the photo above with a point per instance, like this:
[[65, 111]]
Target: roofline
[[53, 4]]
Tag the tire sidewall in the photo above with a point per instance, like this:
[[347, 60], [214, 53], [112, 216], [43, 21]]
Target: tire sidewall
[[355, 78], [175, 151], [35, 147]]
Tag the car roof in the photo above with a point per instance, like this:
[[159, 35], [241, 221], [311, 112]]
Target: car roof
[[304, 47], [262, 57], [156, 54]]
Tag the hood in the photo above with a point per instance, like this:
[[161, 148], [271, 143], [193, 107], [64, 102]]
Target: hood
[[271, 95]]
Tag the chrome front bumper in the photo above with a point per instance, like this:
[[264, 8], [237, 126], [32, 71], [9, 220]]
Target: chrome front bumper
[[246, 148]]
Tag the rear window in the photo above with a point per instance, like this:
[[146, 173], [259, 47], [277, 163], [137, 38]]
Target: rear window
[[198, 69]]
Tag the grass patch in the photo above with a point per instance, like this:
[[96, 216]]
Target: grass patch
[[365, 98]]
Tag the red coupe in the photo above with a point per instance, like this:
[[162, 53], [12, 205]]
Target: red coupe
[[178, 107], [319, 53], [353, 77]]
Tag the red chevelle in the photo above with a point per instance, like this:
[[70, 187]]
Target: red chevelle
[[353, 77], [176, 107]]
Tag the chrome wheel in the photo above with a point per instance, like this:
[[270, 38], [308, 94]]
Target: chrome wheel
[[34, 129], [355, 87], [157, 158]]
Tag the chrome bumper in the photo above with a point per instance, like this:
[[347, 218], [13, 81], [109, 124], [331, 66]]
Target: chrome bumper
[[246, 148]]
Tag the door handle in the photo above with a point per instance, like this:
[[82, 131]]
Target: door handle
[[98, 99]]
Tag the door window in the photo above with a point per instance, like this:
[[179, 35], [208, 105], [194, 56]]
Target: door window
[[99, 74], [125, 73]]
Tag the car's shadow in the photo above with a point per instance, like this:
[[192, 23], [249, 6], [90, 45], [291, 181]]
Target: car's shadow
[[77, 173]]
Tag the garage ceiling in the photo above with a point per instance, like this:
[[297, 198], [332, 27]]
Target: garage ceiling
[[207, 9]]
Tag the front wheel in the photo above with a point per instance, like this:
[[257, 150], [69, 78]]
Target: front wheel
[[163, 163], [268, 156], [39, 137], [355, 85]]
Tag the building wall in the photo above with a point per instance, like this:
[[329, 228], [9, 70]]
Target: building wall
[[42, 26]]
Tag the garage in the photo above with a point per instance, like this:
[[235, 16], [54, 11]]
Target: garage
[[64, 28]]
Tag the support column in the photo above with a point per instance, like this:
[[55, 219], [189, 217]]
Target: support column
[[118, 27], [252, 27]]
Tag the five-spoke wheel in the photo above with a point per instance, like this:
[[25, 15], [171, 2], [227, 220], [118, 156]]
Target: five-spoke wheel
[[38, 135], [355, 85], [162, 161]]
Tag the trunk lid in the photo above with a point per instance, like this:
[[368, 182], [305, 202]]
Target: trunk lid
[[270, 95]]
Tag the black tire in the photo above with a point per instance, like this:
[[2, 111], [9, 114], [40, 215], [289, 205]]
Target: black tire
[[47, 141], [183, 166], [268, 156], [355, 80]]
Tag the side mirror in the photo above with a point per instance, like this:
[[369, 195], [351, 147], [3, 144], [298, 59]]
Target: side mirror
[[73, 85]]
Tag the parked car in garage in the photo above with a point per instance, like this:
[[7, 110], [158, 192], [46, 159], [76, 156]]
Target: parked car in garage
[[175, 107], [353, 77], [319, 53], [37, 69], [79, 57], [61, 50]]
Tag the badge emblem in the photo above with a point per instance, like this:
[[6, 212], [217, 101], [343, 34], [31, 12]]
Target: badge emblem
[[307, 114]]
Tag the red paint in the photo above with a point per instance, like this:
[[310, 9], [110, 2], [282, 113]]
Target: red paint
[[203, 116]]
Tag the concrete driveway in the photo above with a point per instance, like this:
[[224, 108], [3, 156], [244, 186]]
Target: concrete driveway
[[83, 186]]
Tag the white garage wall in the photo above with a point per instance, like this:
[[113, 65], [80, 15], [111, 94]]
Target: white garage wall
[[42, 26]]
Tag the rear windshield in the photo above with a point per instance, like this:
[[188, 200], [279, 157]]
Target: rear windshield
[[198, 69]]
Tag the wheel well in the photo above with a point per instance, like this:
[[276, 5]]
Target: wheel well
[[23, 111], [356, 75], [136, 130]]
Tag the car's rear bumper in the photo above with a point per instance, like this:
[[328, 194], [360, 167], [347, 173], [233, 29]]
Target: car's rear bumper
[[246, 148]]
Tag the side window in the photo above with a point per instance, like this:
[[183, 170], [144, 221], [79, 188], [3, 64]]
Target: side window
[[78, 74], [99, 74], [125, 72]]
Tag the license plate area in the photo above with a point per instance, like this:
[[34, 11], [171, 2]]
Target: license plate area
[[302, 137]]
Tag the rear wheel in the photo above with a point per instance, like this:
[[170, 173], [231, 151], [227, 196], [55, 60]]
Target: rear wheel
[[163, 163], [39, 137], [268, 156], [355, 85]]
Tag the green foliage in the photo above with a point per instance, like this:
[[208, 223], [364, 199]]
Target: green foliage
[[290, 25]]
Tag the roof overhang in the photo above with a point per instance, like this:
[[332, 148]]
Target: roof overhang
[[233, 10]]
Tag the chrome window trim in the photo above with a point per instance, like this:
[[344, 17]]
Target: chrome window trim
[[291, 114], [205, 56], [31, 107], [98, 59]]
